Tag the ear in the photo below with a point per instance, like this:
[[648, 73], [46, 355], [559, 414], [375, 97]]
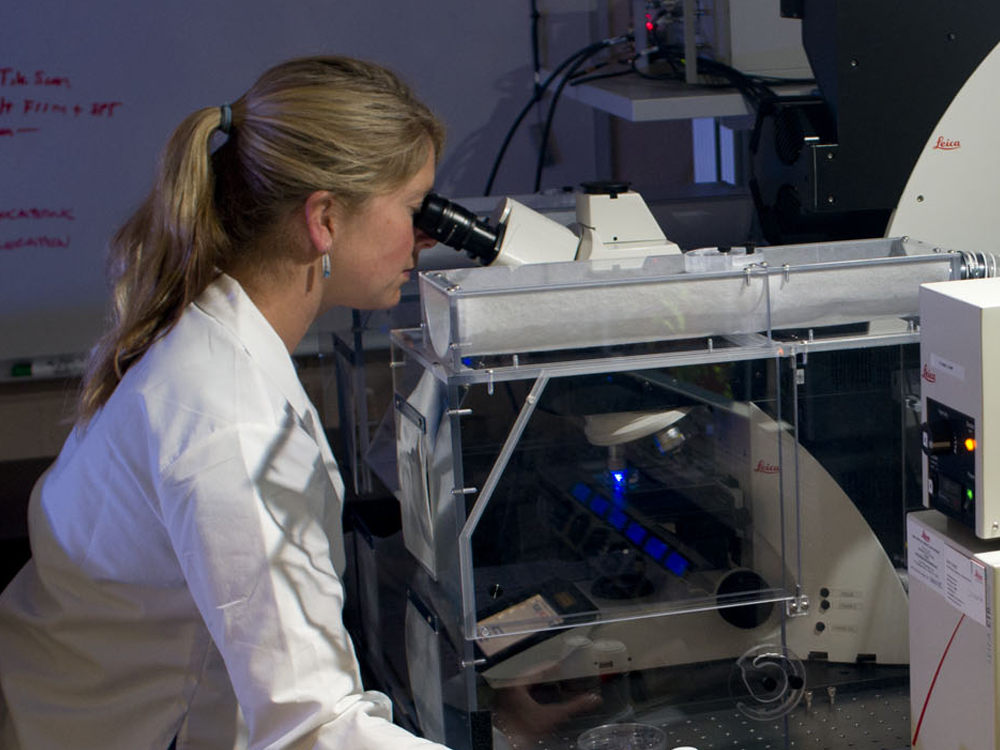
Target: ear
[[321, 211]]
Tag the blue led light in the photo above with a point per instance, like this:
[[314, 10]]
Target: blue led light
[[676, 564], [617, 518], [655, 547], [581, 492], [600, 504], [635, 532]]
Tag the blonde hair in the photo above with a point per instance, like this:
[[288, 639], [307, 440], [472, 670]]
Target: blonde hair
[[318, 123]]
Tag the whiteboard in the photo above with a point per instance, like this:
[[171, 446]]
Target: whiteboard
[[89, 93]]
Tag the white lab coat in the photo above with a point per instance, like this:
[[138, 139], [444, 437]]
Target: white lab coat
[[196, 515]]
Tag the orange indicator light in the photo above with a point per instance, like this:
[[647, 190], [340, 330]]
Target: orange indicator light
[[970, 444]]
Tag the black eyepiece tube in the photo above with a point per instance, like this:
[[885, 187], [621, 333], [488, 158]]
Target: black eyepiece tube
[[457, 227]]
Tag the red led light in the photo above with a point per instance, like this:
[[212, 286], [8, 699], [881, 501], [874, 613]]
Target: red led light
[[649, 25]]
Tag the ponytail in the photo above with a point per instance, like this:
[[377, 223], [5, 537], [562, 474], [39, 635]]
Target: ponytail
[[314, 123], [161, 259]]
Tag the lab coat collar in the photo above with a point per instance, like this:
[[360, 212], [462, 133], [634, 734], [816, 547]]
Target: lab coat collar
[[226, 301]]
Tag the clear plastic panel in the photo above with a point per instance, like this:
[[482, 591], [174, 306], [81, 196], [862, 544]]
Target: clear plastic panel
[[672, 530], [629, 495], [559, 306]]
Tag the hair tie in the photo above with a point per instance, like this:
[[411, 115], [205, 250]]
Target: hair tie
[[226, 121]]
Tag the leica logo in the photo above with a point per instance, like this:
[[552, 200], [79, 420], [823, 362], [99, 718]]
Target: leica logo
[[928, 375], [943, 144], [766, 468]]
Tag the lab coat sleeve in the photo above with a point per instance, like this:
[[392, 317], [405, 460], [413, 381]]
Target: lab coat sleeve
[[244, 511]]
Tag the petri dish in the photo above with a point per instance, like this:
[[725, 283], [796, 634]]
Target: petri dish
[[623, 737]]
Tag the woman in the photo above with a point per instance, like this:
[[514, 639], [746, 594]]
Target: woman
[[186, 543]]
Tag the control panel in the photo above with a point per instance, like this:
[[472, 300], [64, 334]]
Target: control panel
[[960, 400], [949, 444]]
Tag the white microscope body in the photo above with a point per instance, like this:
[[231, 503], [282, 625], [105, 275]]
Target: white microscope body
[[612, 223], [608, 225]]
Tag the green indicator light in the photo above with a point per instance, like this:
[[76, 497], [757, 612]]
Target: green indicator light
[[968, 494]]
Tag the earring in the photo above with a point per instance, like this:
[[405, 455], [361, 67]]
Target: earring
[[326, 265]]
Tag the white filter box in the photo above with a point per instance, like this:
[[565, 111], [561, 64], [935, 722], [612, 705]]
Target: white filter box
[[960, 400], [953, 639]]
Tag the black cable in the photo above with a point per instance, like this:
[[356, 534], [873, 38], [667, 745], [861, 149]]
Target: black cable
[[752, 88], [585, 52], [542, 146], [539, 92], [755, 89], [536, 60], [778, 81]]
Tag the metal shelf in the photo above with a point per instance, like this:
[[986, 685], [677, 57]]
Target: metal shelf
[[645, 100]]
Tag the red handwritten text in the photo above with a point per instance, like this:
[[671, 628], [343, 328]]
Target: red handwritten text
[[44, 79], [31, 107], [96, 109], [10, 132], [39, 107], [13, 214], [11, 77], [35, 242], [14, 77]]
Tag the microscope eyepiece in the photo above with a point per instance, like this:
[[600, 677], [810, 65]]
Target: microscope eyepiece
[[457, 227]]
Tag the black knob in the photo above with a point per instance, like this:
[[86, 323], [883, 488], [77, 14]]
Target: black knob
[[605, 187]]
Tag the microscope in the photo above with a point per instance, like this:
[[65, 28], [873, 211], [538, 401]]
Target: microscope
[[612, 222]]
